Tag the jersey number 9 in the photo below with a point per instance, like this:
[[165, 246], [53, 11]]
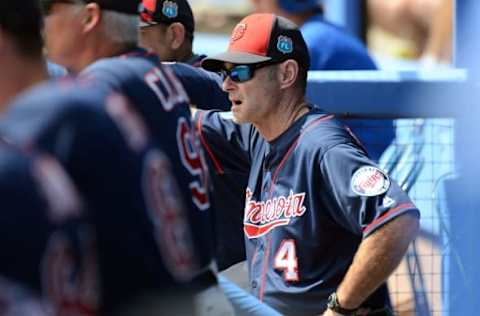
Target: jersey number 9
[[192, 159]]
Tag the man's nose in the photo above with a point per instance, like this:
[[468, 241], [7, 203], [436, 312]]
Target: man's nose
[[228, 84]]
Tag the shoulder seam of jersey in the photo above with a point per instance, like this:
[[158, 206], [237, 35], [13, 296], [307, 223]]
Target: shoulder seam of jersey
[[209, 151], [330, 147]]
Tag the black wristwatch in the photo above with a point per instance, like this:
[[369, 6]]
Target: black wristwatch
[[334, 305]]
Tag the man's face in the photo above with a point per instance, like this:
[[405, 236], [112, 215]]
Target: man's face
[[154, 38], [253, 101], [63, 34], [265, 6]]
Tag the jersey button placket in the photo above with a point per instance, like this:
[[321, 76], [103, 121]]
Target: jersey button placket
[[254, 283]]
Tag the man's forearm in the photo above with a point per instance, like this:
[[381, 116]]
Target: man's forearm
[[377, 257]]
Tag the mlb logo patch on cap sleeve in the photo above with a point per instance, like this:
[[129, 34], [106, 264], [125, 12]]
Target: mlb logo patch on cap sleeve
[[369, 181], [285, 44], [170, 9]]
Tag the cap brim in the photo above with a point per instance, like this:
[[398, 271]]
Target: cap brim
[[216, 62]]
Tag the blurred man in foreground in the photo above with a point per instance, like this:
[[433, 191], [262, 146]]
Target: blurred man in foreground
[[98, 41], [47, 242]]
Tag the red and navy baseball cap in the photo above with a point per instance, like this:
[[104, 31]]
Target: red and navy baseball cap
[[122, 6], [167, 12], [262, 37]]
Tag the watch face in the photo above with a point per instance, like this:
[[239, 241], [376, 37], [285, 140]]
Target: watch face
[[332, 301], [333, 305]]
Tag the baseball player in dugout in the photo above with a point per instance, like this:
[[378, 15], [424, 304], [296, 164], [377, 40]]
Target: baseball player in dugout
[[324, 226], [167, 27]]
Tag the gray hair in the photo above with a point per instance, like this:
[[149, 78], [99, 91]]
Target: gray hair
[[120, 27]]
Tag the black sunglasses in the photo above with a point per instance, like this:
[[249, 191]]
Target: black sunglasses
[[243, 73]]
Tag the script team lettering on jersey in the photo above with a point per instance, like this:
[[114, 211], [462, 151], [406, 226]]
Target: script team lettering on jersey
[[263, 216]]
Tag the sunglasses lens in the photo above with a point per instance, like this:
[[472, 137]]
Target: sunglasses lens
[[240, 73]]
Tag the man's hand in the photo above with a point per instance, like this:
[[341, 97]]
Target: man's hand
[[377, 257], [329, 312], [360, 312]]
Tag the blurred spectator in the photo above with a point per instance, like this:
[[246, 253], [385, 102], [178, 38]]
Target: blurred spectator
[[439, 44], [167, 27], [424, 26], [331, 48]]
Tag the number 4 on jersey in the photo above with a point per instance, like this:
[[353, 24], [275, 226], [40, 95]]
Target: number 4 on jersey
[[286, 260]]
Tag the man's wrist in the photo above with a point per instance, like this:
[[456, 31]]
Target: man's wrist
[[348, 301], [334, 305]]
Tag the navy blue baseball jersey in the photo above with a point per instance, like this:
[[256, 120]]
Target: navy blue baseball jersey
[[128, 74], [17, 299], [205, 92], [48, 247], [312, 196], [162, 103], [204, 89], [135, 204]]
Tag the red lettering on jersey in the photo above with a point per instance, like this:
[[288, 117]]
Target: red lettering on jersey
[[70, 282], [169, 218], [280, 206], [192, 159], [261, 217]]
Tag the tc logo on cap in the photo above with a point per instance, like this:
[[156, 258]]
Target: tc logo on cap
[[170, 9], [285, 44], [238, 32]]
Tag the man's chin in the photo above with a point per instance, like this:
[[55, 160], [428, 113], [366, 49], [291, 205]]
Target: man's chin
[[238, 119]]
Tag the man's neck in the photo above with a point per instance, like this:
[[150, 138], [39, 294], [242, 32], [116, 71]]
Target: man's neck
[[284, 116], [15, 79], [184, 54], [98, 49]]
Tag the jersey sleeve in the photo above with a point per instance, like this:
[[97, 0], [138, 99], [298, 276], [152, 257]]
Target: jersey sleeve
[[203, 87], [360, 196], [225, 142]]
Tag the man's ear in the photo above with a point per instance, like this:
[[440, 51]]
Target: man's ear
[[288, 73], [92, 16], [178, 35]]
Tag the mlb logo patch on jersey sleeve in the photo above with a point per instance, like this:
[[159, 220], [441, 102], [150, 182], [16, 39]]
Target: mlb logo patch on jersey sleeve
[[369, 181]]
